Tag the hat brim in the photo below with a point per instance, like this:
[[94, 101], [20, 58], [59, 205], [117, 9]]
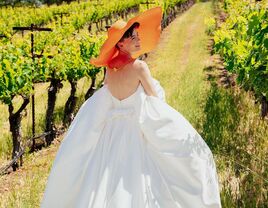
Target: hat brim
[[149, 32]]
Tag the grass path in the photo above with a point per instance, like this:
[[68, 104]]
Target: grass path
[[179, 60]]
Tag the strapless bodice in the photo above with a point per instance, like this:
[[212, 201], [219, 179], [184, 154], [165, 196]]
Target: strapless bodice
[[128, 107]]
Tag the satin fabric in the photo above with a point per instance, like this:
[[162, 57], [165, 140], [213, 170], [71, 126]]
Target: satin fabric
[[133, 153]]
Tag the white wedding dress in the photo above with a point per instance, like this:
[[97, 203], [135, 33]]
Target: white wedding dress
[[135, 153]]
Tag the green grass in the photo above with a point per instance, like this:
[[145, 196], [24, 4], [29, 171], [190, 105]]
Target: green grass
[[179, 60], [24, 188]]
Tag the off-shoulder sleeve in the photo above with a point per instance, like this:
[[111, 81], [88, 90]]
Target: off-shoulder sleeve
[[159, 90], [181, 156]]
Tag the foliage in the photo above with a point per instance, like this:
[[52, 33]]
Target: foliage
[[243, 43], [15, 73]]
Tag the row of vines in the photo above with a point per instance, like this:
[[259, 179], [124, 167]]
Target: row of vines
[[239, 32], [242, 42]]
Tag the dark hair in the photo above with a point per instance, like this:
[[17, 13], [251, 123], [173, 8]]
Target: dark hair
[[129, 31]]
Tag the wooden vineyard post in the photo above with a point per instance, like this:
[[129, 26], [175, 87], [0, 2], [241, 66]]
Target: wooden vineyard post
[[39, 29]]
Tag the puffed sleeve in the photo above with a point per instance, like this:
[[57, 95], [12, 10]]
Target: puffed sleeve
[[159, 89]]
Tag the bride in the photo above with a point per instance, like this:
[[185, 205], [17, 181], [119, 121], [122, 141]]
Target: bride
[[126, 147]]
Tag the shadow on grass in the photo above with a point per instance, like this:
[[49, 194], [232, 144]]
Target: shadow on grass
[[221, 119], [227, 131]]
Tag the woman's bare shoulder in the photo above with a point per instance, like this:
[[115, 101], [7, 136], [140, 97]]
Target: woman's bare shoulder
[[139, 62], [142, 67]]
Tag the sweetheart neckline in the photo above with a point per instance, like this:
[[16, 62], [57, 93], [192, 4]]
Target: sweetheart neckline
[[126, 97]]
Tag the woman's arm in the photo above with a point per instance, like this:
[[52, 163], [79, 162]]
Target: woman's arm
[[146, 78]]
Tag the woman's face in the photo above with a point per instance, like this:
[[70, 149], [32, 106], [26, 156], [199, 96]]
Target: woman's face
[[130, 44]]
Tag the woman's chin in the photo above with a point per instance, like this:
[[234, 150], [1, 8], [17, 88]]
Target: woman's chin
[[135, 50]]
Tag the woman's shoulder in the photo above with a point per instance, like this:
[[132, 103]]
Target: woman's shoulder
[[139, 63], [141, 66]]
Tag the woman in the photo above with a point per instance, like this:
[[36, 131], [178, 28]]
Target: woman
[[125, 81], [126, 147]]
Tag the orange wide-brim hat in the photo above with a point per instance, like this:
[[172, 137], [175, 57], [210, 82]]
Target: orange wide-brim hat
[[149, 33]]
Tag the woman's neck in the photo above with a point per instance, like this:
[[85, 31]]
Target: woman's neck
[[121, 60], [125, 55]]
